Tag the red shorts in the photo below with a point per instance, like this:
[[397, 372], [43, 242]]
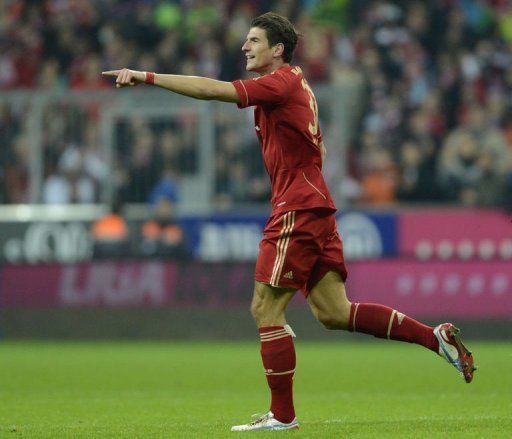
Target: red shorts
[[298, 248]]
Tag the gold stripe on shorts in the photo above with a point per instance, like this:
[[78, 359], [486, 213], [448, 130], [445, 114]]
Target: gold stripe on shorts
[[282, 246]]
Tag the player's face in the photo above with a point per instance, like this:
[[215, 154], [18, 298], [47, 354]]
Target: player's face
[[260, 56]]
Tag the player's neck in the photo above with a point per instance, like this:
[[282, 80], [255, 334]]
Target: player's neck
[[272, 67]]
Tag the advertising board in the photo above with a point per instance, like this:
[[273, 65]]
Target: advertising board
[[450, 234], [474, 289]]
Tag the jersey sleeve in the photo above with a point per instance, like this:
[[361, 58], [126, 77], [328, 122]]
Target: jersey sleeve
[[272, 89]]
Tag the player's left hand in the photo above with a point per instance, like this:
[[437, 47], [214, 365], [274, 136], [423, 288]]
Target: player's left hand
[[126, 77]]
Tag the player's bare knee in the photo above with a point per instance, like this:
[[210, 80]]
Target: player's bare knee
[[262, 312]]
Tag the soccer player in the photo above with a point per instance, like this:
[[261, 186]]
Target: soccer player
[[301, 248]]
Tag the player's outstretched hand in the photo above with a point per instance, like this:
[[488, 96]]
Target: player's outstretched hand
[[126, 77]]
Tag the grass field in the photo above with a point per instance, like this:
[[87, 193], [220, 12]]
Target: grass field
[[196, 390]]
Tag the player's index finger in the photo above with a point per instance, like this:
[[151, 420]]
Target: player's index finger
[[111, 73]]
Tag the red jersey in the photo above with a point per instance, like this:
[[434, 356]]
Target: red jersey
[[286, 119]]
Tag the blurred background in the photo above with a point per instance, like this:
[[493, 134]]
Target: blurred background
[[137, 213]]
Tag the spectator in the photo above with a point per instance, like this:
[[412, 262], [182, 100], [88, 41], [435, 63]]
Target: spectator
[[142, 168], [507, 201], [166, 187], [170, 149], [110, 234], [379, 182], [417, 180], [16, 172], [162, 235], [459, 171], [490, 190], [49, 78], [69, 183]]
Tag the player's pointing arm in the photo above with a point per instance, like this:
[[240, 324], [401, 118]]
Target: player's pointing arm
[[193, 86]]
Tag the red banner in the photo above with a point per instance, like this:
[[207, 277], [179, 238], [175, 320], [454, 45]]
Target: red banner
[[107, 284], [471, 289], [451, 234], [429, 289], [121, 284]]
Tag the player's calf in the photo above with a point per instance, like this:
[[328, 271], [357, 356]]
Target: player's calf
[[384, 322]]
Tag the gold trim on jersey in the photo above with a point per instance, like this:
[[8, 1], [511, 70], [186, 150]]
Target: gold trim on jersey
[[313, 186]]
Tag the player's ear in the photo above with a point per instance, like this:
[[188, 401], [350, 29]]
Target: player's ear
[[278, 50]]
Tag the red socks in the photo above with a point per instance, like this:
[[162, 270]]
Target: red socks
[[384, 322], [278, 351], [278, 354]]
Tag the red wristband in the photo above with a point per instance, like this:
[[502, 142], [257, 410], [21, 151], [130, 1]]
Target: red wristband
[[150, 78]]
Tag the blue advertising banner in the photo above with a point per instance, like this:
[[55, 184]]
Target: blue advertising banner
[[216, 238], [368, 235], [224, 237], [227, 237]]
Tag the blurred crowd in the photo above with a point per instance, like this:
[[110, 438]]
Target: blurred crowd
[[161, 235], [434, 122], [437, 124]]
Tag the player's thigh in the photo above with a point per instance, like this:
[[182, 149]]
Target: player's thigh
[[328, 301], [269, 303]]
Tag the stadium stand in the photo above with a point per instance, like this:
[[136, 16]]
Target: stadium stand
[[435, 126]]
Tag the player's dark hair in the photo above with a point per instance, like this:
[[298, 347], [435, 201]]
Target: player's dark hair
[[279, 30]]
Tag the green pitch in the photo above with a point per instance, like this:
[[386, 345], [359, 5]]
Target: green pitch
[[198, 390]]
